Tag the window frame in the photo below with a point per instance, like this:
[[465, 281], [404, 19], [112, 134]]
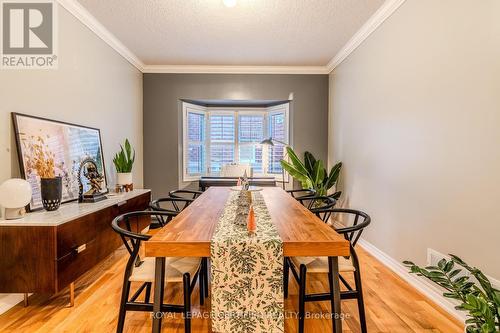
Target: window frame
[[197, 109], [253, 111], [208, 144], [266, 112], [277, 109]]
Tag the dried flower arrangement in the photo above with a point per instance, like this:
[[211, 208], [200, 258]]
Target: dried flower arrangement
[[38, 157]]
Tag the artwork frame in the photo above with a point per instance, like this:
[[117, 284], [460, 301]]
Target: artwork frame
[[72, 143]]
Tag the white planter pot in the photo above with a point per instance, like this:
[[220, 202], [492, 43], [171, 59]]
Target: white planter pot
[[124, 178]]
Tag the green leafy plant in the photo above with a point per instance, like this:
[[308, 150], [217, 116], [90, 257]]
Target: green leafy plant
[[477, 296], [311, 173], [124, 160]]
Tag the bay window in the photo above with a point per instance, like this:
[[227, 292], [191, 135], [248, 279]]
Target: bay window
[[214, 137]]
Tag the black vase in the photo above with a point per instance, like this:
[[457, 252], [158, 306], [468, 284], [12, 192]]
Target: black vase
[[51, 189]]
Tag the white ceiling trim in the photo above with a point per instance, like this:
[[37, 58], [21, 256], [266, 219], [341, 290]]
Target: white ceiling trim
[[95, 26], [235, 69], [382, 14]]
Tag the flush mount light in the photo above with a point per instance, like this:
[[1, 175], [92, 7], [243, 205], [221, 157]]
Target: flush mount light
[[229, 3]]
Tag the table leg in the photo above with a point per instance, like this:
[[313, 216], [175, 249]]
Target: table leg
[[158, 294], [336, 310]]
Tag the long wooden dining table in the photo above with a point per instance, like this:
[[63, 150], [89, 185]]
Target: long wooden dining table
[[303, 234]]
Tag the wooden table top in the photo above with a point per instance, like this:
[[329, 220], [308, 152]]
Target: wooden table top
[[190, 233]]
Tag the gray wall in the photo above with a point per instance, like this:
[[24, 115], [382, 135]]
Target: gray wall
[[162, 114]]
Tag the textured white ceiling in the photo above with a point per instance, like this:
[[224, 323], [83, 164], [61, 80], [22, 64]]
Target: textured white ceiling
[[254, 32]]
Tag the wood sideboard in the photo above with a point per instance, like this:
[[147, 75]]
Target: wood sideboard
[[45, 252]]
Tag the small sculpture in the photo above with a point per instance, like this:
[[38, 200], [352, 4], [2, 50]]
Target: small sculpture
[[90, 171], [245, 184], [251, 224]]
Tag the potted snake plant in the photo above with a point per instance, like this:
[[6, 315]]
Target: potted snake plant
[[124, 161]]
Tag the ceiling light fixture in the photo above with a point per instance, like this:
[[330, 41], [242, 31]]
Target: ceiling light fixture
[[229, 3]]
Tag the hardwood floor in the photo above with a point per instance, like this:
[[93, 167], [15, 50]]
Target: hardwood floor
[[391, 305]]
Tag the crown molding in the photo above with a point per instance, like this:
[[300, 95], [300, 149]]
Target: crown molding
[[208, 69], [382, 14], [95, 26], [386, 10]]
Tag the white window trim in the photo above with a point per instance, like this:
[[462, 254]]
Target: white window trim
[[208, 111], [188, 107], [276, 110]]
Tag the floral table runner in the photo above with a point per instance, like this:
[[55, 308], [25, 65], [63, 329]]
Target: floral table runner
[[247, 271]]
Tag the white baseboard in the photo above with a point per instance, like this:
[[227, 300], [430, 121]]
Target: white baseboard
[[8, 301], [425, 287]]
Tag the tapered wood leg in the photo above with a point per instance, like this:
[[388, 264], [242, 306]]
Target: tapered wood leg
[[333, 263], [72, 294], [158, 294], [26, 302]]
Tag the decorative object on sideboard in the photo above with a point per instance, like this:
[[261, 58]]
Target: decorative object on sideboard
[[48, 148], [88, 168], [15, 194], [51, 192], [124, 161], [470, 287], [312, 174]]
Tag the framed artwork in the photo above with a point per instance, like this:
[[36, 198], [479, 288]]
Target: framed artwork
[[58, 145]]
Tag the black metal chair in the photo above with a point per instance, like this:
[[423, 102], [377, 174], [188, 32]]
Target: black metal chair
[[315, 202], [301, 265], [175, 205], [298, 193], [189, 194], [142, 270], [170, 204]]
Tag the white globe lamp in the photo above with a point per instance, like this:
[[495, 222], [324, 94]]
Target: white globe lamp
[[15, 194]]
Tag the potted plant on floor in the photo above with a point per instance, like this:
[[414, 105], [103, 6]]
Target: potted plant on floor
[[311, 173], [476, 295], [124, 161]]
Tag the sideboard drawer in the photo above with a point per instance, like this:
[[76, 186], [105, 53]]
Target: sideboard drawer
[[74, 264], [73, 234]]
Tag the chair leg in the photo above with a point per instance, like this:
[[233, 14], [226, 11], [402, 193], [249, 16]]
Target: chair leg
[[302, 296], [187, 302], [205, 280], [286, 275], [123, 310], [201, 282], [361, 304], [147, 297]]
